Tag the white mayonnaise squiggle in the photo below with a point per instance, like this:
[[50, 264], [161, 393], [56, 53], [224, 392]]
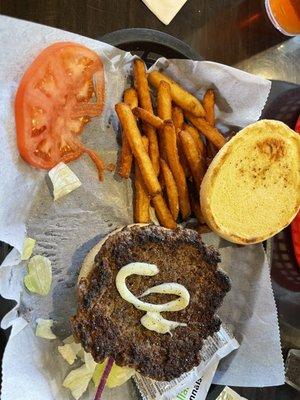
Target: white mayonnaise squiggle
[[152, 319]]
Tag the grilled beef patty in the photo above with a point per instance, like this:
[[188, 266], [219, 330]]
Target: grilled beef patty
[[107, 325]]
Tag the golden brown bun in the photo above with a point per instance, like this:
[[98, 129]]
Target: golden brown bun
[[251, 190]]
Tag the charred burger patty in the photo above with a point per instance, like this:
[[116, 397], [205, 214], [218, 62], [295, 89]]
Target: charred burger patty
[[108, 326]]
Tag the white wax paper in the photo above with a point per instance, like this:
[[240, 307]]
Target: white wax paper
[[65, 230]]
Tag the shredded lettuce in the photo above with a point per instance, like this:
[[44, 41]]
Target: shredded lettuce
[[69, 339], [153, 216], [78, 380], [28, 247], [118, 375], [69, 351], [89, 362], [39, 277], [43, 328], [64, 180]]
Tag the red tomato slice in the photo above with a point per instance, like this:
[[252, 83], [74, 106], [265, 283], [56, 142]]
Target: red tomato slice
[[61, 90]]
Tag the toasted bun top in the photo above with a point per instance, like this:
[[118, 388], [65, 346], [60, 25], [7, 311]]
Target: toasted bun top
[[251, 189]]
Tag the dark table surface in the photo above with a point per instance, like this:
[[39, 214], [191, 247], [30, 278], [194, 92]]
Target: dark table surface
[[226, 31]]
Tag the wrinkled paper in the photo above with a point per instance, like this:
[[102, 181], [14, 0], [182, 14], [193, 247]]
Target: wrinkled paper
[[67, 229]]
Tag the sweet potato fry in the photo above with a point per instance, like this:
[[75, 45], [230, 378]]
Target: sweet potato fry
[[196, 136], [141, 197], [148, 117], [130, 98], [162, 212], [164, 101], [180, 96], [177, 118], [142, 88], [134, 138], [171, 189], [209, 106], [207, 130], [193, 156], [176, 168]]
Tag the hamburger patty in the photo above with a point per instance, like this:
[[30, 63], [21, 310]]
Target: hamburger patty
[[108, 326]]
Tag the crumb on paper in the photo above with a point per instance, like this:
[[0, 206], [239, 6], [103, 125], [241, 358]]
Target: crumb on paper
[[111, 167]]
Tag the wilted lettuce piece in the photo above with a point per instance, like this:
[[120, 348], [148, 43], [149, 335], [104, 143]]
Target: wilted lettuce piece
[[39, 277], [28, 247], [117, 376], [69, 339], [69, 351], [64, 180], [77, 381], [89, 361], [43, 328]]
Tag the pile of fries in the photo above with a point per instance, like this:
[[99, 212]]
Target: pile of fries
[[170, 150]]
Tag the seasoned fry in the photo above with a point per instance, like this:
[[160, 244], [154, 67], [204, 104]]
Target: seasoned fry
[[183, 161], [171, 189], [178, 121], [196, 136], [176, 168], [164, 101], [141, 85], [142, 88], [209, 106], [141, 197], [125, 158], [195, 160], [130, 98], [163, 213], [178, 118], [208, 131], [148, 117], [164, 111], [180, 96], [153, 146], [134, 138]]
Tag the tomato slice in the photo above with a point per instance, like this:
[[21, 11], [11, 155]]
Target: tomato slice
[[61, 90]]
